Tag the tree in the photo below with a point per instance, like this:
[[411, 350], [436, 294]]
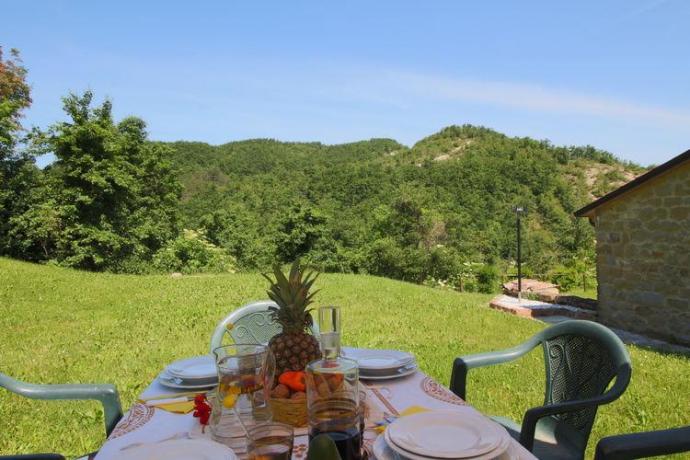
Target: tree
[[33, 234], [299, 231], [112, 194], [17, 172], [235, 229], [14, 98]]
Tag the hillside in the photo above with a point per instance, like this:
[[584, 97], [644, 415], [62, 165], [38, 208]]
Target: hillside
[[601, 171], [68, 326], [409, 213]]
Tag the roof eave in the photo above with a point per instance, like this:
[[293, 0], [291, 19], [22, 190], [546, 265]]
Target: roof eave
[[588, 211]]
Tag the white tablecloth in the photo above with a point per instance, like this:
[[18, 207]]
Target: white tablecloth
[[147, 424]]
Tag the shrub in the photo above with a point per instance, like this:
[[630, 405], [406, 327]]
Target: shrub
[[444, 264], [133, 265], [329, 256], [469, 284], [386, 258], [565, 277], [488, 279], [193, 253]]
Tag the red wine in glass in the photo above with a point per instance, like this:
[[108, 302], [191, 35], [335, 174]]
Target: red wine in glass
[[348, 441]]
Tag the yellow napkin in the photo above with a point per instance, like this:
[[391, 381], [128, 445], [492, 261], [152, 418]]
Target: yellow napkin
[[414, 410], [176, 407], [409, 411]]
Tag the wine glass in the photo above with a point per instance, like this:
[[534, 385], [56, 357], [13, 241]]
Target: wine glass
[[329, 331]]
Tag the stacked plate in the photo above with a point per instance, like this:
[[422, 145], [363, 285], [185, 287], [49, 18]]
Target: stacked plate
[[381, 364], [455, 435], [194, 373]]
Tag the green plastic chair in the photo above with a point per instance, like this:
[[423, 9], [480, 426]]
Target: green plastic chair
[[582, 358], [643, 445], [105, 393]]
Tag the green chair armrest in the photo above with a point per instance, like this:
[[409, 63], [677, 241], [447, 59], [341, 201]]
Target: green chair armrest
[[462, 364], [647, 444], [105, 393], [532, 416]]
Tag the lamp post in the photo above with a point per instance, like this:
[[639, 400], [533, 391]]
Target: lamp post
[[518, 211]]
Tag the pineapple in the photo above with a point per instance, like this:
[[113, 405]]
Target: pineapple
[[294, 347]]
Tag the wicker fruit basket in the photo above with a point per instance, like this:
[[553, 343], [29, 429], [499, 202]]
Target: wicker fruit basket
[[290, 411], [294, 411]]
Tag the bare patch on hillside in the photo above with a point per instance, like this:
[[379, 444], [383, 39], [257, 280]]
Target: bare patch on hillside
[[462, 145], [457, 148], [602, 179]]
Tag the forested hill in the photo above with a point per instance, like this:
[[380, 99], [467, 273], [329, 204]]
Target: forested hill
[[436, 210], [440, 212]]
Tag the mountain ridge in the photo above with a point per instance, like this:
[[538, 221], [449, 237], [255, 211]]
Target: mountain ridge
[[380, 207]]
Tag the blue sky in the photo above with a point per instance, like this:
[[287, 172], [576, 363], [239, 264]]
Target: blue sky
[[614, 74]]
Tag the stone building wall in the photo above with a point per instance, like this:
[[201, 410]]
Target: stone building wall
[[643, 258]]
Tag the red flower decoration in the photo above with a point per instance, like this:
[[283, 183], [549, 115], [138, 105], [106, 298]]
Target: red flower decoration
[[202, 410]]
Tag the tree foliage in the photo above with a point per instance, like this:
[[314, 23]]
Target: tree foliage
[[14, 98], [17, 172], [193, 253], [109, 197], [430, 211]]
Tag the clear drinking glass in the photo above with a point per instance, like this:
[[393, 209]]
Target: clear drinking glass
[[270, 441], [329, 330], [333, 391], [245, 374]]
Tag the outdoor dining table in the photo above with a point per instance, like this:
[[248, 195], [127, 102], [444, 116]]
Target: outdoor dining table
[[146, 424]]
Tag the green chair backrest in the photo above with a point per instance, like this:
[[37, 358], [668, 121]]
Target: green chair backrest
[[251, 323], [582, 358]]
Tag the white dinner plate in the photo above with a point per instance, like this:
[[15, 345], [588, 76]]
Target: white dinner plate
[[456, 434], [383, 451], [397, 373], [377, 359], [391, 371], [179, 449], [198, 367], [170, 381]]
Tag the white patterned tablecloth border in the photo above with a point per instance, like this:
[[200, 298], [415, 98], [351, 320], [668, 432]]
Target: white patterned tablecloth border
[[138, 416]]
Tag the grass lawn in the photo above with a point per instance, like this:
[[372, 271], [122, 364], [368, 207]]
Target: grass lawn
[[64, 326], [590, 293]]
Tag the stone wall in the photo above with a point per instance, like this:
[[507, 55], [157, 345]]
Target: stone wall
[[643, 258]]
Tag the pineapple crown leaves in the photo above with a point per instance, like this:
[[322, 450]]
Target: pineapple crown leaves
[[291, 294]]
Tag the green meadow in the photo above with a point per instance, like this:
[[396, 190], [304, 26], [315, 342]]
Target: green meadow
[[66, 326]]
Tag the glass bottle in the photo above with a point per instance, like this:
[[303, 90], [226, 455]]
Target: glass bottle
[[333, 390]]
